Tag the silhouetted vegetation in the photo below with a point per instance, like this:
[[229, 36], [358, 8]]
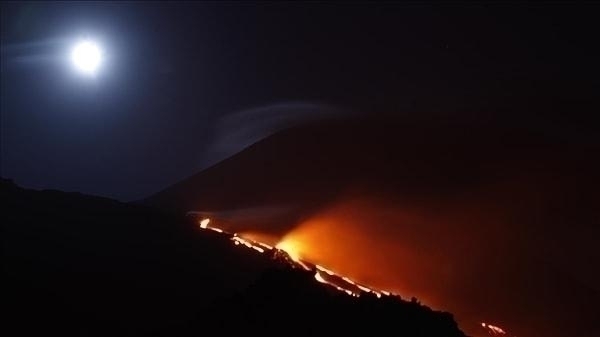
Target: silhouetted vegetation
[[76, 265]]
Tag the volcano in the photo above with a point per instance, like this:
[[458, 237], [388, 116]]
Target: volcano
[[492, 223]]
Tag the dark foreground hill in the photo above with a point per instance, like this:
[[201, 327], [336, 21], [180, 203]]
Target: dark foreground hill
[[75, 265]]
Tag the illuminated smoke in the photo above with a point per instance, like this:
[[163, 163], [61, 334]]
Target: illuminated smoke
[[469, 257], [476, 255]]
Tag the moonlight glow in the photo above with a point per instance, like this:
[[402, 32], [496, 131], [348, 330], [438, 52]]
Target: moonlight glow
[[86, 56]]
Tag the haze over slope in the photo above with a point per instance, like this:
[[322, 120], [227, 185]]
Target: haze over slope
[[493, 224]]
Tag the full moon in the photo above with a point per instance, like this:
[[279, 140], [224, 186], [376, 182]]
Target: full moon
[[86, 57]]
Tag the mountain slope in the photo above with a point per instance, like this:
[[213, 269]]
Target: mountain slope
[[467, 216], [76, 265], [308, 166]]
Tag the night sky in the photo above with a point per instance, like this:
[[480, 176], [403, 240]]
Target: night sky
[[185, 85]]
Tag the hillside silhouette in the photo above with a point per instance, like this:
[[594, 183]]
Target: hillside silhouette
[[322, 311], [78, 265]]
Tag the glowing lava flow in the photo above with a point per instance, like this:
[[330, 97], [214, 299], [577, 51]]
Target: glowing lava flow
[[322, 274], [321, 279], [493, 330], [249, 243], [323, 269]]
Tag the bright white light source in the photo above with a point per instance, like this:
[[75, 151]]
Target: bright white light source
[[86, 57], [204, 223]]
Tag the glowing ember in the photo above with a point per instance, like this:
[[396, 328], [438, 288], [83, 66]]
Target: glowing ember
[[204, 223], [216, 229], [319, 278], [494, 330]]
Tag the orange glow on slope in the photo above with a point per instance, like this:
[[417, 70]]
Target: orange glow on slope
[[292, 251], [409, 250], [414, 250], [479, 244], [320, 241], [358, 239]]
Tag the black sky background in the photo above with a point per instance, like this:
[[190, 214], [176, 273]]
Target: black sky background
[[175, 70]]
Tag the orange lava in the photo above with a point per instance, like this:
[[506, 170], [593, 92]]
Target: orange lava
[[204, 223], [469, 256], [388, 249], [494, 330]]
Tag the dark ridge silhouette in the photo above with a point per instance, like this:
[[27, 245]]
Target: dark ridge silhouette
[[75, 265], [322, 310]]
